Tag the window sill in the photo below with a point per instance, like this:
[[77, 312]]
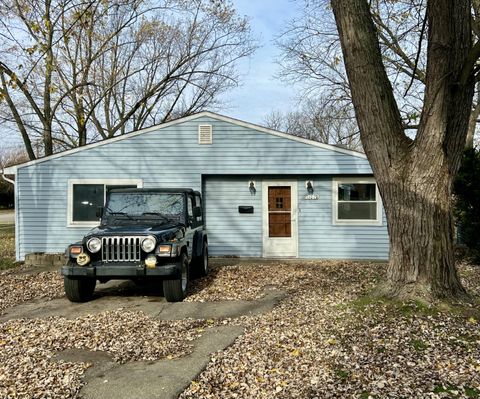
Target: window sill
[[83, 224], [357, 223]]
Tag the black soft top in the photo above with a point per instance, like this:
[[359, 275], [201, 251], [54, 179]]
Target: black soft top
[[154, 190]]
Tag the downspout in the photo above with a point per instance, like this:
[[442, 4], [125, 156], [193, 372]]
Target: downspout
[[7, 179]]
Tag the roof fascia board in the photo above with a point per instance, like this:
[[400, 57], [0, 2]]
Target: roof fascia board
[[286, 135], [13, 169]]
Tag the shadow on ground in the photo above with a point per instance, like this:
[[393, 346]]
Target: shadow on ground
[[152, 288]]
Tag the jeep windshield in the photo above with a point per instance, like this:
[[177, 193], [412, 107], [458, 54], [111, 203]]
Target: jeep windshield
[[156, 207]]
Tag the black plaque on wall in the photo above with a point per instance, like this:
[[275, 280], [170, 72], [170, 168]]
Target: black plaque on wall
[[245, 209]]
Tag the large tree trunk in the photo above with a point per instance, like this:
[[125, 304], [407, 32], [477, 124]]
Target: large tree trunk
[[421, 236], [414, 177]]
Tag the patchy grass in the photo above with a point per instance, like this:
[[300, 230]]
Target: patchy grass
[[7, 246]]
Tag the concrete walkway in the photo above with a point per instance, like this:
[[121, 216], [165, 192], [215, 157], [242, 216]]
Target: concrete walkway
[[108, 298], [163, 379]]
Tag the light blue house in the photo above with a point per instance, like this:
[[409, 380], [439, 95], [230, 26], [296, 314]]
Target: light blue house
[[265, 193]]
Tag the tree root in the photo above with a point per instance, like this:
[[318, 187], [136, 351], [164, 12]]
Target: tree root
[[417, 291]]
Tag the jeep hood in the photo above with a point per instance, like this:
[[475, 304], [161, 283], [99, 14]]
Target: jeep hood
[[161, 232]]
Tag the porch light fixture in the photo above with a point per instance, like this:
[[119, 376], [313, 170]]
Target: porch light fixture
[[251, 187], [309, 186]]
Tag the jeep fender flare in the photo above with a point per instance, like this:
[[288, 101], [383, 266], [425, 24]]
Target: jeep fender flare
[[198, 239]]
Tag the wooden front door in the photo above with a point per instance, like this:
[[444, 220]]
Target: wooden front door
[[279, 212], [279, 219]]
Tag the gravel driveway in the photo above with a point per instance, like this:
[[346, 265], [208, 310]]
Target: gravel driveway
[[258, 330]]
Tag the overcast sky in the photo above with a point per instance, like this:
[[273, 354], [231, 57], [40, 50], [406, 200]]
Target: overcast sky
[[261, 92]]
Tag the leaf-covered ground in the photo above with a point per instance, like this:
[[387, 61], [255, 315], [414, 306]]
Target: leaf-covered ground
[[329, 338]]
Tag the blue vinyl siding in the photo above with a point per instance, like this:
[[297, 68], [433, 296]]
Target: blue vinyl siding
[[171, 157], [229, 232], [319, 238]]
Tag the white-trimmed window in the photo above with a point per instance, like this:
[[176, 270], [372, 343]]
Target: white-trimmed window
[[86, 195], [356, 201]]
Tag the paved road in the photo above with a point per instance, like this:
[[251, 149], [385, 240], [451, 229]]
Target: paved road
[[7, 217]]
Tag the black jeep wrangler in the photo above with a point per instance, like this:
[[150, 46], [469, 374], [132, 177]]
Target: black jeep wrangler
[[144, 234]]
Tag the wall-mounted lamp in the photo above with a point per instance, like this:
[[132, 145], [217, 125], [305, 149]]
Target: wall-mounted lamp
[[251, 187], [309, 186]]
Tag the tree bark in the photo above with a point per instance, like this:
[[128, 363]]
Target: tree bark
[[47, 106], [414, 177], [18, 119]]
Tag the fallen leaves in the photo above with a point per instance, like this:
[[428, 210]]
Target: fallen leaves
[[27, 365], [16, 288], [326, 339]]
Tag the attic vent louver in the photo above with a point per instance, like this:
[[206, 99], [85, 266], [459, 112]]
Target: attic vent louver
[[204, 134]]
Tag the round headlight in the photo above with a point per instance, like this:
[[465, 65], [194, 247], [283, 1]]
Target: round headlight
[[94, 244], [148, 243]]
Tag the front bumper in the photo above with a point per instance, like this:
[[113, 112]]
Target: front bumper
[[123, 270]]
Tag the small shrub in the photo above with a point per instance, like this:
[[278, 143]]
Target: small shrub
[[467, 202]]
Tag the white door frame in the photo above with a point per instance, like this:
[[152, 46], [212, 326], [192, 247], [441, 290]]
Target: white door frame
[[280, 246]]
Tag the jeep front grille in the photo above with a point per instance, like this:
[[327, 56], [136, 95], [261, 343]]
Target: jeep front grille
[[121, 249]]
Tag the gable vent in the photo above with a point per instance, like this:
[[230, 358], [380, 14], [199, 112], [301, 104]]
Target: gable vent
[[204, 134]]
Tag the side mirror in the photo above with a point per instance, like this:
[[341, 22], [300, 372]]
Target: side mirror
[[197, 212], [99, 212]]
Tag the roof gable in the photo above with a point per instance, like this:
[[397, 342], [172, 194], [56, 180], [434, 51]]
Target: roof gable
[[13, 169]]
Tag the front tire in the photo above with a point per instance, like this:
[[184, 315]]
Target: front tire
[[79, 289], [176, 290], [201, 264]]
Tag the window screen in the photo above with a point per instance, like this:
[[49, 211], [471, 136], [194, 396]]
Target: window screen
[[86, 199], [356, 192], [357, 201]]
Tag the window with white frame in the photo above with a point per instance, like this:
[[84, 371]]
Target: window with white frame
[[86, 195], [356, 202]]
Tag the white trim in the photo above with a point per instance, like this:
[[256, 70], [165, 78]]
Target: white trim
[[105, 182], [17, 224], [13, 169], [285, 135], [268, 242], [355, 222]]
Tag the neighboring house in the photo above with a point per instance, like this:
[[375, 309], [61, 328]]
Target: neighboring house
[[265, 193]]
